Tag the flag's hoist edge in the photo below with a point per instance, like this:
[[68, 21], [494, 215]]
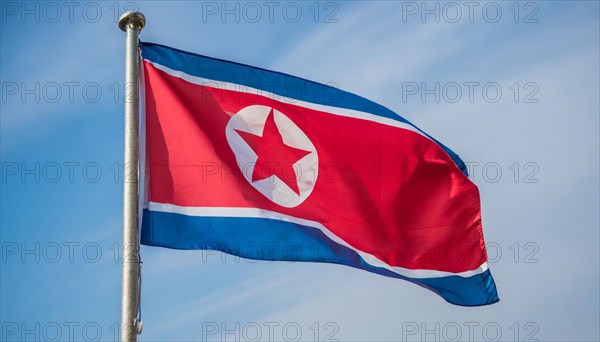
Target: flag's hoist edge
[[193, 228]]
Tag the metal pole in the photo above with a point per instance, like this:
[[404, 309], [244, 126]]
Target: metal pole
[[132, 23]]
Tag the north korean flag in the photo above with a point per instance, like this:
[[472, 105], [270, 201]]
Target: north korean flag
[[268, 166]]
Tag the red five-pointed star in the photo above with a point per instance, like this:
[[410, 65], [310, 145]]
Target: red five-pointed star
[[274, 156]]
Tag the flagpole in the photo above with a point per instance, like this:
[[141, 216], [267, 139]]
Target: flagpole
[[131, 23]]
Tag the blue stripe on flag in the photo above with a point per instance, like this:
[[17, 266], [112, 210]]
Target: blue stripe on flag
[[285, 85], [268, 239]]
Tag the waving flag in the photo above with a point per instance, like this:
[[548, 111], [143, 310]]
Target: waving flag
[[268, 166]]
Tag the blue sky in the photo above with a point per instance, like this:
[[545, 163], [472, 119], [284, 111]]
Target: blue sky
[[533, 152]]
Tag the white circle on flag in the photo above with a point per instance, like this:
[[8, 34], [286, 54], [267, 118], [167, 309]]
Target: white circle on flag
[[250, 122]]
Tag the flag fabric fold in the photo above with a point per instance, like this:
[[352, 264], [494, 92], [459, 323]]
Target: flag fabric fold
[[269, 166]]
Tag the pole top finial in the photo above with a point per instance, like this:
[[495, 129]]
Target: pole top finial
[[135, 18]]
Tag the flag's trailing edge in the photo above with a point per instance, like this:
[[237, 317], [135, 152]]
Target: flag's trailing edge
[[343, 179]]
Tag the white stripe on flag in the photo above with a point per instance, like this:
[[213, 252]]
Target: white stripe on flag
[[351, 113], [260, 213]]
